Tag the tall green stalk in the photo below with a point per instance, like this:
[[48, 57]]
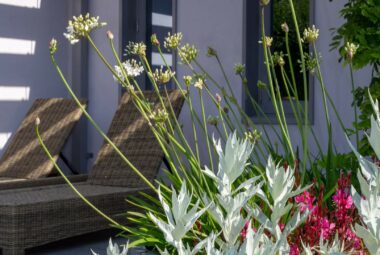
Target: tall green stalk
[[306, 94]]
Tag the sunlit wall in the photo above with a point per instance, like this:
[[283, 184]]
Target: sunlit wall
[[26, 72]]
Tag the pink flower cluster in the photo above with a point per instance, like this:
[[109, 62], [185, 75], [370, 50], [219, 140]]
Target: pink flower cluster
[[326, 224]]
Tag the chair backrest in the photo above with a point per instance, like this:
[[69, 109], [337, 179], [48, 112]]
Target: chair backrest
[[132, 134], [24, 156]]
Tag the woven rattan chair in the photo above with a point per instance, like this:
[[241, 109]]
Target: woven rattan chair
[[35, 216], [24, 158]]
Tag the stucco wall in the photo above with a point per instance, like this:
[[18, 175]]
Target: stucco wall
[[25, 33], [103, 92]]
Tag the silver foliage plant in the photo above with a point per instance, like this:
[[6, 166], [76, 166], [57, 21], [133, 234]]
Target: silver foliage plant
[[227, 208], [113, 249], [368, 203]]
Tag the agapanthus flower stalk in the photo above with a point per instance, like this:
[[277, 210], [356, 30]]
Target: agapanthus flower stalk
[[350, 50], [285, 27], [53, 46], [188, 53], [199, 83], [134, 48], [239, 69], [162, 77], [310, 34], [187, 79], [173, 41], [81, 26], [131, 67]]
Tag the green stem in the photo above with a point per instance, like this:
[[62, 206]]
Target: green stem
[[305, 86], [98, 129], [355, 106], [72, 186], [205, 129], [274, 101]]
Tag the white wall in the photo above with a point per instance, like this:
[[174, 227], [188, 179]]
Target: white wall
[[25, 33], [219, 23]]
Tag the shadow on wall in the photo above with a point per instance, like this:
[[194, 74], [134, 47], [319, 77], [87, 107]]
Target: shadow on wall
[[26, 72]]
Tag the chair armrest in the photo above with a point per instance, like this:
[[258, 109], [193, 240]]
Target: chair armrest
[[41, 182]]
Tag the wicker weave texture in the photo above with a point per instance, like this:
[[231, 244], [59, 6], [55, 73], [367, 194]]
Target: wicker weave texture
[[36, 216], [133, 136], [24, 157]]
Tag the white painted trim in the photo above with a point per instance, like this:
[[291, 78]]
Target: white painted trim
[[14, 93], [17, 46], [162, 20], [36, 4], [4, 137], [158, 61]]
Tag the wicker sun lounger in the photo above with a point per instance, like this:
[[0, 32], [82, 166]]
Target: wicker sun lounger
[[32, 217], [24, 158]]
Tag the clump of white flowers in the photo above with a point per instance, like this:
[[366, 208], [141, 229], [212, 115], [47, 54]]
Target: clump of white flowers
[[310, 34], [188, 53], [136, 48], [199, 83], [162, 77], [368, 203], [159, 116], [131, 68], [81, 26], [173, 41], [113, 249], [350, 50]]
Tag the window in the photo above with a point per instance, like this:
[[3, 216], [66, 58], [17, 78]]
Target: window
[[276, 13], [141, 19]]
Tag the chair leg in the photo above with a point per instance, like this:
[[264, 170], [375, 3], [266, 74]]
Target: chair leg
[[13, 251]]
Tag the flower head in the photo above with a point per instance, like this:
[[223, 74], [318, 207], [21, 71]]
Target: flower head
[[172, 41], [199, 83], [81, 26], [218, 98], [134, 48], [264, 2], [350, 50], [252, 136], [285, 27], [268, 41], [162, 77], [305, 201], [187, 79], [239, 69], [154, 40], [110, 35], [213, 121], [188, 53], [310, 34], [131, 68], [278, 59], [211, 52], [53, 46], [159, 116]]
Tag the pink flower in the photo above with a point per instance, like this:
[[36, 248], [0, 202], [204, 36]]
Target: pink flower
[[326, 227], [342, 199], [305, 201], [294, 250], [243, 233], [351, 236]]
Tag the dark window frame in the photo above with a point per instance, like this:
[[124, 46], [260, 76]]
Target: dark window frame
[[136, 27], [253, 57]]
